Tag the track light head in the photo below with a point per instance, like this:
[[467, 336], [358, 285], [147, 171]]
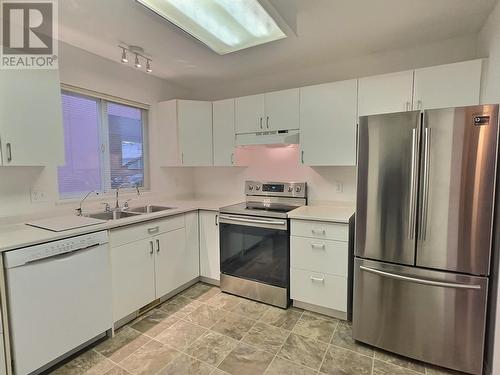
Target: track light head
[[148, 66], [137, 62], [124, 56]]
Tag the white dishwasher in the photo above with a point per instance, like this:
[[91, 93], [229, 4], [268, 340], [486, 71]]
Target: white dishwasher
[[59, 298]]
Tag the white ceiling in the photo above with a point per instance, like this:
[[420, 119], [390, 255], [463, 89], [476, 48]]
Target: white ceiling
[[327, 31]]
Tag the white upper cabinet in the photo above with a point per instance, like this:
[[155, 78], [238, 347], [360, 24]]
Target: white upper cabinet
[[282, 110], [385, 93], [186, 132], [31, 130], [249, 114], [450, 85], [223, 132], [278, 110], [328, 123]]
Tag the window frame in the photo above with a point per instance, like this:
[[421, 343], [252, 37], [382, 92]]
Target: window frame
[[102, 101]]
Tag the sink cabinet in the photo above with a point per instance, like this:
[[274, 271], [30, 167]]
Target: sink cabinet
[[150, 260]]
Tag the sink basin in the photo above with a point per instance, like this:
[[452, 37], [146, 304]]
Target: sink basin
[[113, 215], [149, 209]]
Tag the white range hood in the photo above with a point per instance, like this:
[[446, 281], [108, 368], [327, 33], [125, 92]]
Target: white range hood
[[277, 137]]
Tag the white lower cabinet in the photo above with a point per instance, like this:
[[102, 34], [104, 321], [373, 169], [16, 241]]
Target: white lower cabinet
[[147, 268], [319, 260], [209, 245]]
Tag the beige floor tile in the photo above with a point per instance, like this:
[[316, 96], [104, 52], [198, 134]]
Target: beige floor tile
[[186, 365], [266, 337], [180, 306], [125, 342], [280, 366], [201, 292], [154, 322], [212, 348], [384, 368], [117, 370], [315, 327], [224, 301], [346, 362], [322, 316], [205, 316], [285, 319], [246, 360], [149, 359], [250, 309], [90, 362], [434, 370], [399, 361], [343, 338], [303, 350], [233, 325], [181, 334]]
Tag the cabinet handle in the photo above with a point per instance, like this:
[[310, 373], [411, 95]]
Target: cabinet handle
[[153, 230], [302, 156], [317, 279], [152, 248], [320, 246], [318, 231], [232, 158], [216, 219], [267, 122], [157, 245], [260, 122], [9, 153]]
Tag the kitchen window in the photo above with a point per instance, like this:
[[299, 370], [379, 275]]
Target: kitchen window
[[104, 144]]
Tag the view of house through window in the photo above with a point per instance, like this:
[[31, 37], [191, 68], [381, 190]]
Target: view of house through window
[[104, 145]]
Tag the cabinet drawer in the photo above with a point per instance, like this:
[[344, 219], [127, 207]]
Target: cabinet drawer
[[319, 289], [136, 232], [319, 255], [320, 229]]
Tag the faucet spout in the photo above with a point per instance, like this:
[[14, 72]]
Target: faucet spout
[[79, 210]]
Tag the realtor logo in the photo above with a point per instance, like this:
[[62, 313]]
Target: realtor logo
[[29, 39]]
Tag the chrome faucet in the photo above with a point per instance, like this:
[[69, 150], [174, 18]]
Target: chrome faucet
[[79, 211]]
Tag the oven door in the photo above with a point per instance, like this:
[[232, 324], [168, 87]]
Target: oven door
[[255, 248]]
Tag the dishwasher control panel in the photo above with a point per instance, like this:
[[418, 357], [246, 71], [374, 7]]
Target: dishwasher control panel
[[19, 257]]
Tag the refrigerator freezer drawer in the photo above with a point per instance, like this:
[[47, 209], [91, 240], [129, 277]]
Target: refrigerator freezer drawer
[[435, 317]]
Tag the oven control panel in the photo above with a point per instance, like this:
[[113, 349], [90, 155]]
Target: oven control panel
[[280, 189]]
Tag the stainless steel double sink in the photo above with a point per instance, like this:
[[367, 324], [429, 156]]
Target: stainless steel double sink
[[130, 212]]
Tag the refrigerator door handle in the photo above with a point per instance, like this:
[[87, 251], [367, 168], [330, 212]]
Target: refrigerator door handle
[[425, 190], [413, 189], [419, 281]]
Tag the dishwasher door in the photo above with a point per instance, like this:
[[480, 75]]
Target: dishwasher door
[[57, 304]]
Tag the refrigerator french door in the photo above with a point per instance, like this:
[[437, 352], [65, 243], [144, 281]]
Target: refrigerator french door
[[426, 190]]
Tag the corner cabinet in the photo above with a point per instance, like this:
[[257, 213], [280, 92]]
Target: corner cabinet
[[150, 260], [278, 110], [209, 246], [328, 120], [31, 129], [186, 132]]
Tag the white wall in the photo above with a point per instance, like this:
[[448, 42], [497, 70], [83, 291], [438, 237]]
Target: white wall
[[275, 164], [82, 69]]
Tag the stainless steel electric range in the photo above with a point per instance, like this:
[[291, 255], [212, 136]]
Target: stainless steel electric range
[[255, 241]]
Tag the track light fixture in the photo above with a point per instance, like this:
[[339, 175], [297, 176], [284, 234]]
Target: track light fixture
[[139, 54]]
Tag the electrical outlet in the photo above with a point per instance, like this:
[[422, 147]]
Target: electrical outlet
[[38, 196], [339, 187]]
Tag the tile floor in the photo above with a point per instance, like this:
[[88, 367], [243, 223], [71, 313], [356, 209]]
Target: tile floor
[[203, 331]]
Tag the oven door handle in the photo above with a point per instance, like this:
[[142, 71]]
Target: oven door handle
[[229, 219]]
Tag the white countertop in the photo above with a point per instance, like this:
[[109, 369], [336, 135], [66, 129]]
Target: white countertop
[[17, 235], [337, 212]]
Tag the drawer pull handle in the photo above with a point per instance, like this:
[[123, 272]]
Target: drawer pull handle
[[320, 246], [318, 280], [318, 231], [153, 230]]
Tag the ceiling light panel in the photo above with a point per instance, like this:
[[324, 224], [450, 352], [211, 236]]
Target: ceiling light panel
[[223, 25]]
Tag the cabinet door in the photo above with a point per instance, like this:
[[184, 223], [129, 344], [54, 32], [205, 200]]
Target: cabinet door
[[223, 130], [171, 265], [328, 118], [450, 85], [31, 131], [386, 93], [192, 260], [209, 245], [282, 110], [133, 278], [249, 114], [195, 132]]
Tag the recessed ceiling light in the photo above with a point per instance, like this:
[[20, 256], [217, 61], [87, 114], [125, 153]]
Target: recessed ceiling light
[[223, 25]]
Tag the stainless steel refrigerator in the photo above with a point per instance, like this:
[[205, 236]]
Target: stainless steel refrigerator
[[425, 199]]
